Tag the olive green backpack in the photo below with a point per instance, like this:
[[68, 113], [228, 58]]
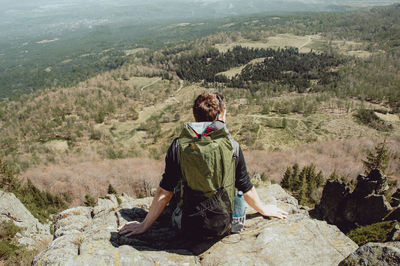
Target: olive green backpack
[[208, 185]]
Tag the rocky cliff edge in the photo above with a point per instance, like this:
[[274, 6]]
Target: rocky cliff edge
[[87, 236]]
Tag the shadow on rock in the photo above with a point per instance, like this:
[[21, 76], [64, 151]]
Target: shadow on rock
[[160, 236]]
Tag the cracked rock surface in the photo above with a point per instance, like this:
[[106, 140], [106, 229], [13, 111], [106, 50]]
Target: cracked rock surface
[[11, 209], [87, 236]]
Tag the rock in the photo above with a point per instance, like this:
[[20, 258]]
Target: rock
[[396, 194], [89, 237], [333, 198], [368, 210], [33, 231], [374, 183], [394, 215], [72, 221], [395, 199], [372, 209], [365, 205], [375, 254], [395, 233]]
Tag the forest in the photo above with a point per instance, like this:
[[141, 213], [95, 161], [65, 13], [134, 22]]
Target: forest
[[84, 54], [284, 66]]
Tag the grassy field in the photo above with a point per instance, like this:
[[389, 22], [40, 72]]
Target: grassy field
[[304, 43]]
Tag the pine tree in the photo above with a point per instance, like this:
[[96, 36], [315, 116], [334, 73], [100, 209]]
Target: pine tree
[[319, 179], [378, 158], [287, 179], [311, 179], [111, 190], [7, 179], [295, 177], [334, 176], [302, 187]]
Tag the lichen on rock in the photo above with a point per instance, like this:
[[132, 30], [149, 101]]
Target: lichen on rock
[[86, 236]]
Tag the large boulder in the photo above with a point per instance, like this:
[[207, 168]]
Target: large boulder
[[333, 199], [368, 210], [365, 205], [376, 254], [11, 209], [374, 183], [89, 237]]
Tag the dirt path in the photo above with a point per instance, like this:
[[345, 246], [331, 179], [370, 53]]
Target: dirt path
[[154, 82], [179, 96], [273, 117], [147, 112], [181, 85], [306, 43]]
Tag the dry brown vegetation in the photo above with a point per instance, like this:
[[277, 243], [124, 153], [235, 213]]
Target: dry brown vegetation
[[134, 176], [343, 156]]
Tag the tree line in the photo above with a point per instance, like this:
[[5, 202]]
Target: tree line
[[285, 66]]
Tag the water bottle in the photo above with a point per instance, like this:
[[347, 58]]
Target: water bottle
[[239, 213]]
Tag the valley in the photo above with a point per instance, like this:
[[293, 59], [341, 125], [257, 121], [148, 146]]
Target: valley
[[126, 116]]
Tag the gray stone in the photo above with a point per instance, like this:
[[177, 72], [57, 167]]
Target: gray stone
[[32, 231], [72, 221], [298, 240], [395, 233], [374, 254]]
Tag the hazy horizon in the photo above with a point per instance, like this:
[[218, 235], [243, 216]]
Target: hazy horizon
[[24, 18]]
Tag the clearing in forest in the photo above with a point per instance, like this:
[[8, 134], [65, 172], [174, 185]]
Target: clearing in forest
[[304, 43], [236, 70]]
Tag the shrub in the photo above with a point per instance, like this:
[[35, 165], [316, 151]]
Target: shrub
[[369, 118], [95, 134], [7, 250], [40, 203], [99, 117], [111, 190], [8, 230], [90, 201], [134, 114], [377, 232], [114, 153]]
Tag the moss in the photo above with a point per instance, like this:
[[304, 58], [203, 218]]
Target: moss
[[10, 253], [90, 201], [377, 232], [118, 200], [7, 250]]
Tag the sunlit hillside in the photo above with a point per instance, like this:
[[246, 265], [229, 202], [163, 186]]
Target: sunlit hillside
[[306, 88]]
